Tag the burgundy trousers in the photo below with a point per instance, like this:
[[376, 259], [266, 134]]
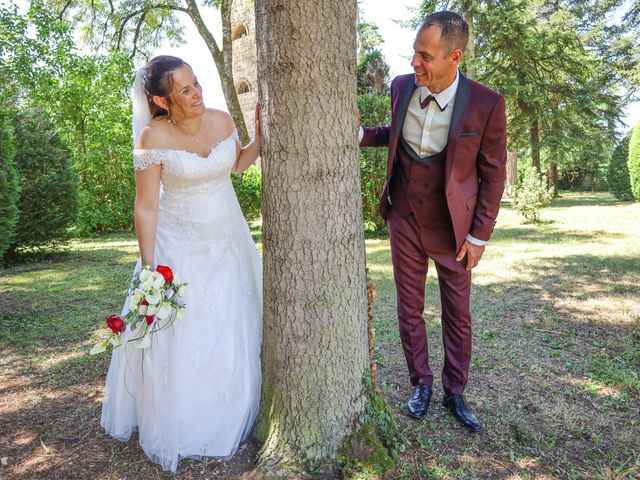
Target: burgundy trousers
[[411, 248]]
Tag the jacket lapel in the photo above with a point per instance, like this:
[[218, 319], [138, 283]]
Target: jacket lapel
[[403, 104], [463, 92]]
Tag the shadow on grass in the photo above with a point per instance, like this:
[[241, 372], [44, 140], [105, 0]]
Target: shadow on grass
[[548, 234], [594, 199], [56, 434], [50, 304]]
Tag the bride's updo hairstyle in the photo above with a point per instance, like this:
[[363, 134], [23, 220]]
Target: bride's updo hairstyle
[[158, 80]]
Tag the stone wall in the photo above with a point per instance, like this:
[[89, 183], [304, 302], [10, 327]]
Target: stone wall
[[244, 58]]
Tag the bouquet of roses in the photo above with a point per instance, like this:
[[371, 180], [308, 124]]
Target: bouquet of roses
[[154, 301]]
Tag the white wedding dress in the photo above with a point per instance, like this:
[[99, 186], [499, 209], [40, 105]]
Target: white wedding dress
[[195, 392]]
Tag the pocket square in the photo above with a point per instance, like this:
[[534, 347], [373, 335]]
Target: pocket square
[[469, 134]]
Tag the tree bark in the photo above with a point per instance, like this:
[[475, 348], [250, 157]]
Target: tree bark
[[553, 179], [512, 171], [315, 294], [534, 131], [471, 48]]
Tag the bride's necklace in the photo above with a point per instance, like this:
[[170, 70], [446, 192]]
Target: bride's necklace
[[186, 132]]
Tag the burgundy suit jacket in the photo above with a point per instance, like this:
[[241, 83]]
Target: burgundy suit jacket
[[475, 169]]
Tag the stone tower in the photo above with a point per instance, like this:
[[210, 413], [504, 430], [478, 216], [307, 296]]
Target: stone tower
[[243, 45]]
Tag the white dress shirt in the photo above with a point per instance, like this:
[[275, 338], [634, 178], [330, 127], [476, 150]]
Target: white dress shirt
[[426, 129]]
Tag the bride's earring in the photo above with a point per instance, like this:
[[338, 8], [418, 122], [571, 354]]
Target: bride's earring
[[170, 118]]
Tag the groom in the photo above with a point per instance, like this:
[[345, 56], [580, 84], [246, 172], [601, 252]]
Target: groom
[[445, 178]]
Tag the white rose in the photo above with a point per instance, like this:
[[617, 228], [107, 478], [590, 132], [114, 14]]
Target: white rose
[[164, 311], [182, 289], [179, 314], [152, 310], [142, 309]]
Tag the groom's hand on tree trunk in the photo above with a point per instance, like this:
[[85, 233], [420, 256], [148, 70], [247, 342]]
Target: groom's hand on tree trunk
[[473, 253]]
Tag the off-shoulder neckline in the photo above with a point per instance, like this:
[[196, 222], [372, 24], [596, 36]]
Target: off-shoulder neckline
[[181, 150]]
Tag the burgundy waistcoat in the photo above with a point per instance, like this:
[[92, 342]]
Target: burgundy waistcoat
[[418, 187]]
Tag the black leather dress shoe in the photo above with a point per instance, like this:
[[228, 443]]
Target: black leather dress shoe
[[455, 404], [419, 404]]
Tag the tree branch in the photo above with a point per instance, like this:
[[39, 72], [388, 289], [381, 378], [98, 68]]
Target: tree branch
[[194, 13], [64, 9], [137, 34], [120, 32]]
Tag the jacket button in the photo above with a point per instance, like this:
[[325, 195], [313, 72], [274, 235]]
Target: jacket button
[[412, 181]]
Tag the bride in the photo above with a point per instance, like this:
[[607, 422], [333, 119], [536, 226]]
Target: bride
[[195, 391]]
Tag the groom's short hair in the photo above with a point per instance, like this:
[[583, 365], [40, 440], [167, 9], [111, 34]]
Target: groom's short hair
[[455, 31]]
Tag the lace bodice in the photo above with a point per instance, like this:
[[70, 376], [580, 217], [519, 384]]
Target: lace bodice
[[145, 158], [193, 187]]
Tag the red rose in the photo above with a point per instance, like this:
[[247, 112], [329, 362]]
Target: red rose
[[144, 302], [150, 319], [165, 272], [115, 323]]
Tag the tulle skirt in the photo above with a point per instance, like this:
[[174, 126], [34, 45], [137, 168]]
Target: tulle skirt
[[195, 392]]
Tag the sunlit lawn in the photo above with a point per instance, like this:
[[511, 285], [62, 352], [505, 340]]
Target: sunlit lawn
[[554, 377]]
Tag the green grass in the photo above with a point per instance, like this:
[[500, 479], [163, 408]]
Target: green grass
[[554, 374]]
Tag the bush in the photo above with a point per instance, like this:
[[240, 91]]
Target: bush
[[374, 110], [47, 201], [633, 161], [9, 185], [107, 189], [531, 196], [94, 109], [248, 187], [619, 183]]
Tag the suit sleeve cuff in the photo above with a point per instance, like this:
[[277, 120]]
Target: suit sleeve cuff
[[360, 134], [475, 241]]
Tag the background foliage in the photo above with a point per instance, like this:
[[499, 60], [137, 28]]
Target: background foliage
[[619, 182], [248, 187], [48, 195], [374, 107], [9, 184], [562, 66], [564, 103], [634, 161]]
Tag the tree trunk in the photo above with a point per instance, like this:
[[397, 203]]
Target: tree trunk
[[553, 179], [223, 59], [534, 131], [470, 52], [512, 171], [315, 349]]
